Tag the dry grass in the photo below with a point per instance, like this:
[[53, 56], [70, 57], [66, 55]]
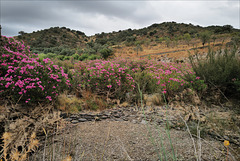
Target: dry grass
[[128, 52], [67, 103], [93, 101], [24, 129]]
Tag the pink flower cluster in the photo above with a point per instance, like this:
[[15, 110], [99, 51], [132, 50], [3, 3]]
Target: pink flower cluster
[[117, 75], [24, 76], [104, 77]]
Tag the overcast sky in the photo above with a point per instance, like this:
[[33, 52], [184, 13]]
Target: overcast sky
[[96, 16]]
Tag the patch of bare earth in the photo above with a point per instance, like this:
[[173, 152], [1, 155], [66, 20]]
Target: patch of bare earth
[[124, 140]]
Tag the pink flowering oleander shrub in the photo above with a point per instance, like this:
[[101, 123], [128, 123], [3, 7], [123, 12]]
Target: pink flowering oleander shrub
[[25, 79], [104, 77], [116, 77]]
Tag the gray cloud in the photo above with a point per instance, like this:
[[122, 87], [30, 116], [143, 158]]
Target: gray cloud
[[94, 16]]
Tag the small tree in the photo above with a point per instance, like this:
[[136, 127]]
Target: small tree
[[205, 37], [167, 41], [21, 33], [187, 38]]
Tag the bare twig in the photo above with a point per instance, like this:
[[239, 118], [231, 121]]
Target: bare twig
[[190, 134], [123, 148]]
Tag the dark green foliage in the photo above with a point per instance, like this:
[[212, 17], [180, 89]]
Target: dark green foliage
[[146, 84], [83, 57], [106, 52], [66, 57], [53, 37], [220, 68], [67, 52], [21, 33], [93, 57], [60, 57], [152, 32], [187, 38], [60, 50], [221, 29], [76, 56], [101, 41], [236, 40], [205, 37], [167, 41]]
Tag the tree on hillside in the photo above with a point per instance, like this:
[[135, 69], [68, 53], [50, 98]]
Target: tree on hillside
[[167, 41], [187, 38], [176, 41], [205, 37], [21, 33], [227, 28]]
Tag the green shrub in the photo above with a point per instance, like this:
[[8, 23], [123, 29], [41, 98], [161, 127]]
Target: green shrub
[[146, 82], [219, 68], [66, 57], [42, 56], [83, 57], [60, 57], [51, 55], [94, 57], [75, 56], [106, 52]]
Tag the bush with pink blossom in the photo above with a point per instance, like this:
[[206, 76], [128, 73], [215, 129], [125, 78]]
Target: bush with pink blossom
[[24, 79], [117, 77], [107, 78]]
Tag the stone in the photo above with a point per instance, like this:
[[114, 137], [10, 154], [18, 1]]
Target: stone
[[74, 116], [68, 119], [144, 122], [103, 117], [125, 119], [74, 121], [107, 114], [99, 114], [117, 115], [118, 119], [89, 117], [134, 121], [82, 120]]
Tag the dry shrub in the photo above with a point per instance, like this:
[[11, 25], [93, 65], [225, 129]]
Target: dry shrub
[[23, 129], [93, 101], [69, 103], [153, 99], [74, 104]]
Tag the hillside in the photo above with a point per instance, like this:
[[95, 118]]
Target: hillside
[[54, 37], [152, 40]]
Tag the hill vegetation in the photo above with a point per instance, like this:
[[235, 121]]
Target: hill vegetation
[[66, 42]]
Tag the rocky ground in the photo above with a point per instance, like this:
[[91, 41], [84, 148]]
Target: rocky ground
[[133, 133]]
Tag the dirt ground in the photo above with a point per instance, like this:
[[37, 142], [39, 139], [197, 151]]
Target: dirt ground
[[125, 140]]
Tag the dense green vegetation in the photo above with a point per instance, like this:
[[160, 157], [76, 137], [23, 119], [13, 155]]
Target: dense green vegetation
[[220, 69]]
